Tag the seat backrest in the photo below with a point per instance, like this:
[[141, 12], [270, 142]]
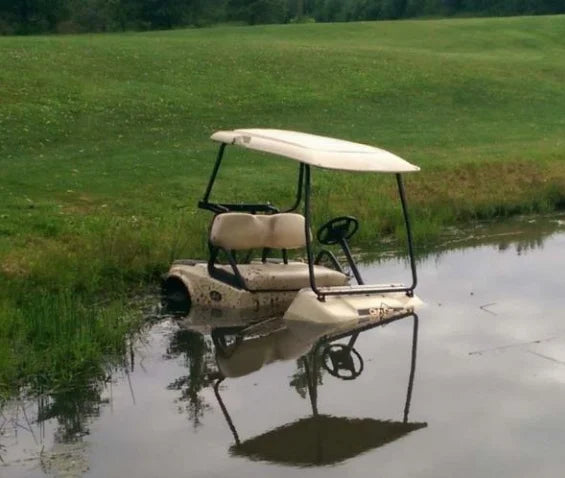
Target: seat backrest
[[239, 231]]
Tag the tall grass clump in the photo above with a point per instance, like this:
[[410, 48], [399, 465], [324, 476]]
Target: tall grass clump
[[52, 341]]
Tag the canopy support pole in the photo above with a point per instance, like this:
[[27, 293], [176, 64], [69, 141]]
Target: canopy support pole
[[410, 290], [214, 172], [307, 229], [298, 200]]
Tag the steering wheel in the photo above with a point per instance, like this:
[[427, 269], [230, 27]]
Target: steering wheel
[[337, 229], [342, 361]]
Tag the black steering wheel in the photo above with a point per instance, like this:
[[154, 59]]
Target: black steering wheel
[[337, 229], [342, 361]]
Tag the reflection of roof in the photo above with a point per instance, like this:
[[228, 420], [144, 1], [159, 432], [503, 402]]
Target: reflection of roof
[[318, 151], [322, 440]]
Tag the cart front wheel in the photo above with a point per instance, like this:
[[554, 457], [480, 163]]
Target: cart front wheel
[[175, 297]]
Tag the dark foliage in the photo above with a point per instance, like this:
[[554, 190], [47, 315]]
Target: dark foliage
[[67, 16]]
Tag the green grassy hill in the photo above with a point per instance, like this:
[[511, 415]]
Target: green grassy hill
[[104, 145]]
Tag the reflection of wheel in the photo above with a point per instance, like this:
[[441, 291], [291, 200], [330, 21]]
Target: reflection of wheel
[[342, 361], [226, 341], [337, 229]]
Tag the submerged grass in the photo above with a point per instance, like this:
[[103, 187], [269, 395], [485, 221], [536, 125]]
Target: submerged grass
[[104, 150]]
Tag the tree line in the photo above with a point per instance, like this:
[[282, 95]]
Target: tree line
[[66, 16]]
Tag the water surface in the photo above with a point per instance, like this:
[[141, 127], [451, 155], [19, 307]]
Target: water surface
[[486, 397]]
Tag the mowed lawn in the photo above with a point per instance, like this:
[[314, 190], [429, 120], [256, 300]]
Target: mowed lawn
[[100, 128], [104, 139]]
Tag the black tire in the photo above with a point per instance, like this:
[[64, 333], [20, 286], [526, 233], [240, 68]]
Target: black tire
[[175, 296]]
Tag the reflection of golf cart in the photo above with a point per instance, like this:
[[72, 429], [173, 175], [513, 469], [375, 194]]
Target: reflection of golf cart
[[314, 292], [318, 439]]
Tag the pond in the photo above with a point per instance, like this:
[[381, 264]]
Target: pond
[[473, 386]]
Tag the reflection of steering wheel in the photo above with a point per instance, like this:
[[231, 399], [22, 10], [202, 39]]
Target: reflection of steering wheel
[[337, 229], [342, 361]]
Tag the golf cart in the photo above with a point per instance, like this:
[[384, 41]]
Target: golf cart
[[302, 291]]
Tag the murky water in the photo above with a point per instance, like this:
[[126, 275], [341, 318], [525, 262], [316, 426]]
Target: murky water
[[473, 387]]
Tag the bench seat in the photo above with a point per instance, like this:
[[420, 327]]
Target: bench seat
[[286, 277]]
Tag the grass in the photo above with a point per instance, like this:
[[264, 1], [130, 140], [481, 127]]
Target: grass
[[55, 341], [104, 146]]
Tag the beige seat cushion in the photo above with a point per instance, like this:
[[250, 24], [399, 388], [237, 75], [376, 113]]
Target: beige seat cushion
[[239, 231], [292, 276]]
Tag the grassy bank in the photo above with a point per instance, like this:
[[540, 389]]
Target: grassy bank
[[104, 145]]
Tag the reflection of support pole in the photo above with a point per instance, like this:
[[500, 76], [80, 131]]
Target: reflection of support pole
[[412, 369], [225, 410], [131, 356], [311, 369], [352, 340], [312, 380]]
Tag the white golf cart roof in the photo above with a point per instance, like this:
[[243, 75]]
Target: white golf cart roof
[[320, 151]]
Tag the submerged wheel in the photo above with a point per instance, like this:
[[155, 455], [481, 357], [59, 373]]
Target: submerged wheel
[[175, 297]]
